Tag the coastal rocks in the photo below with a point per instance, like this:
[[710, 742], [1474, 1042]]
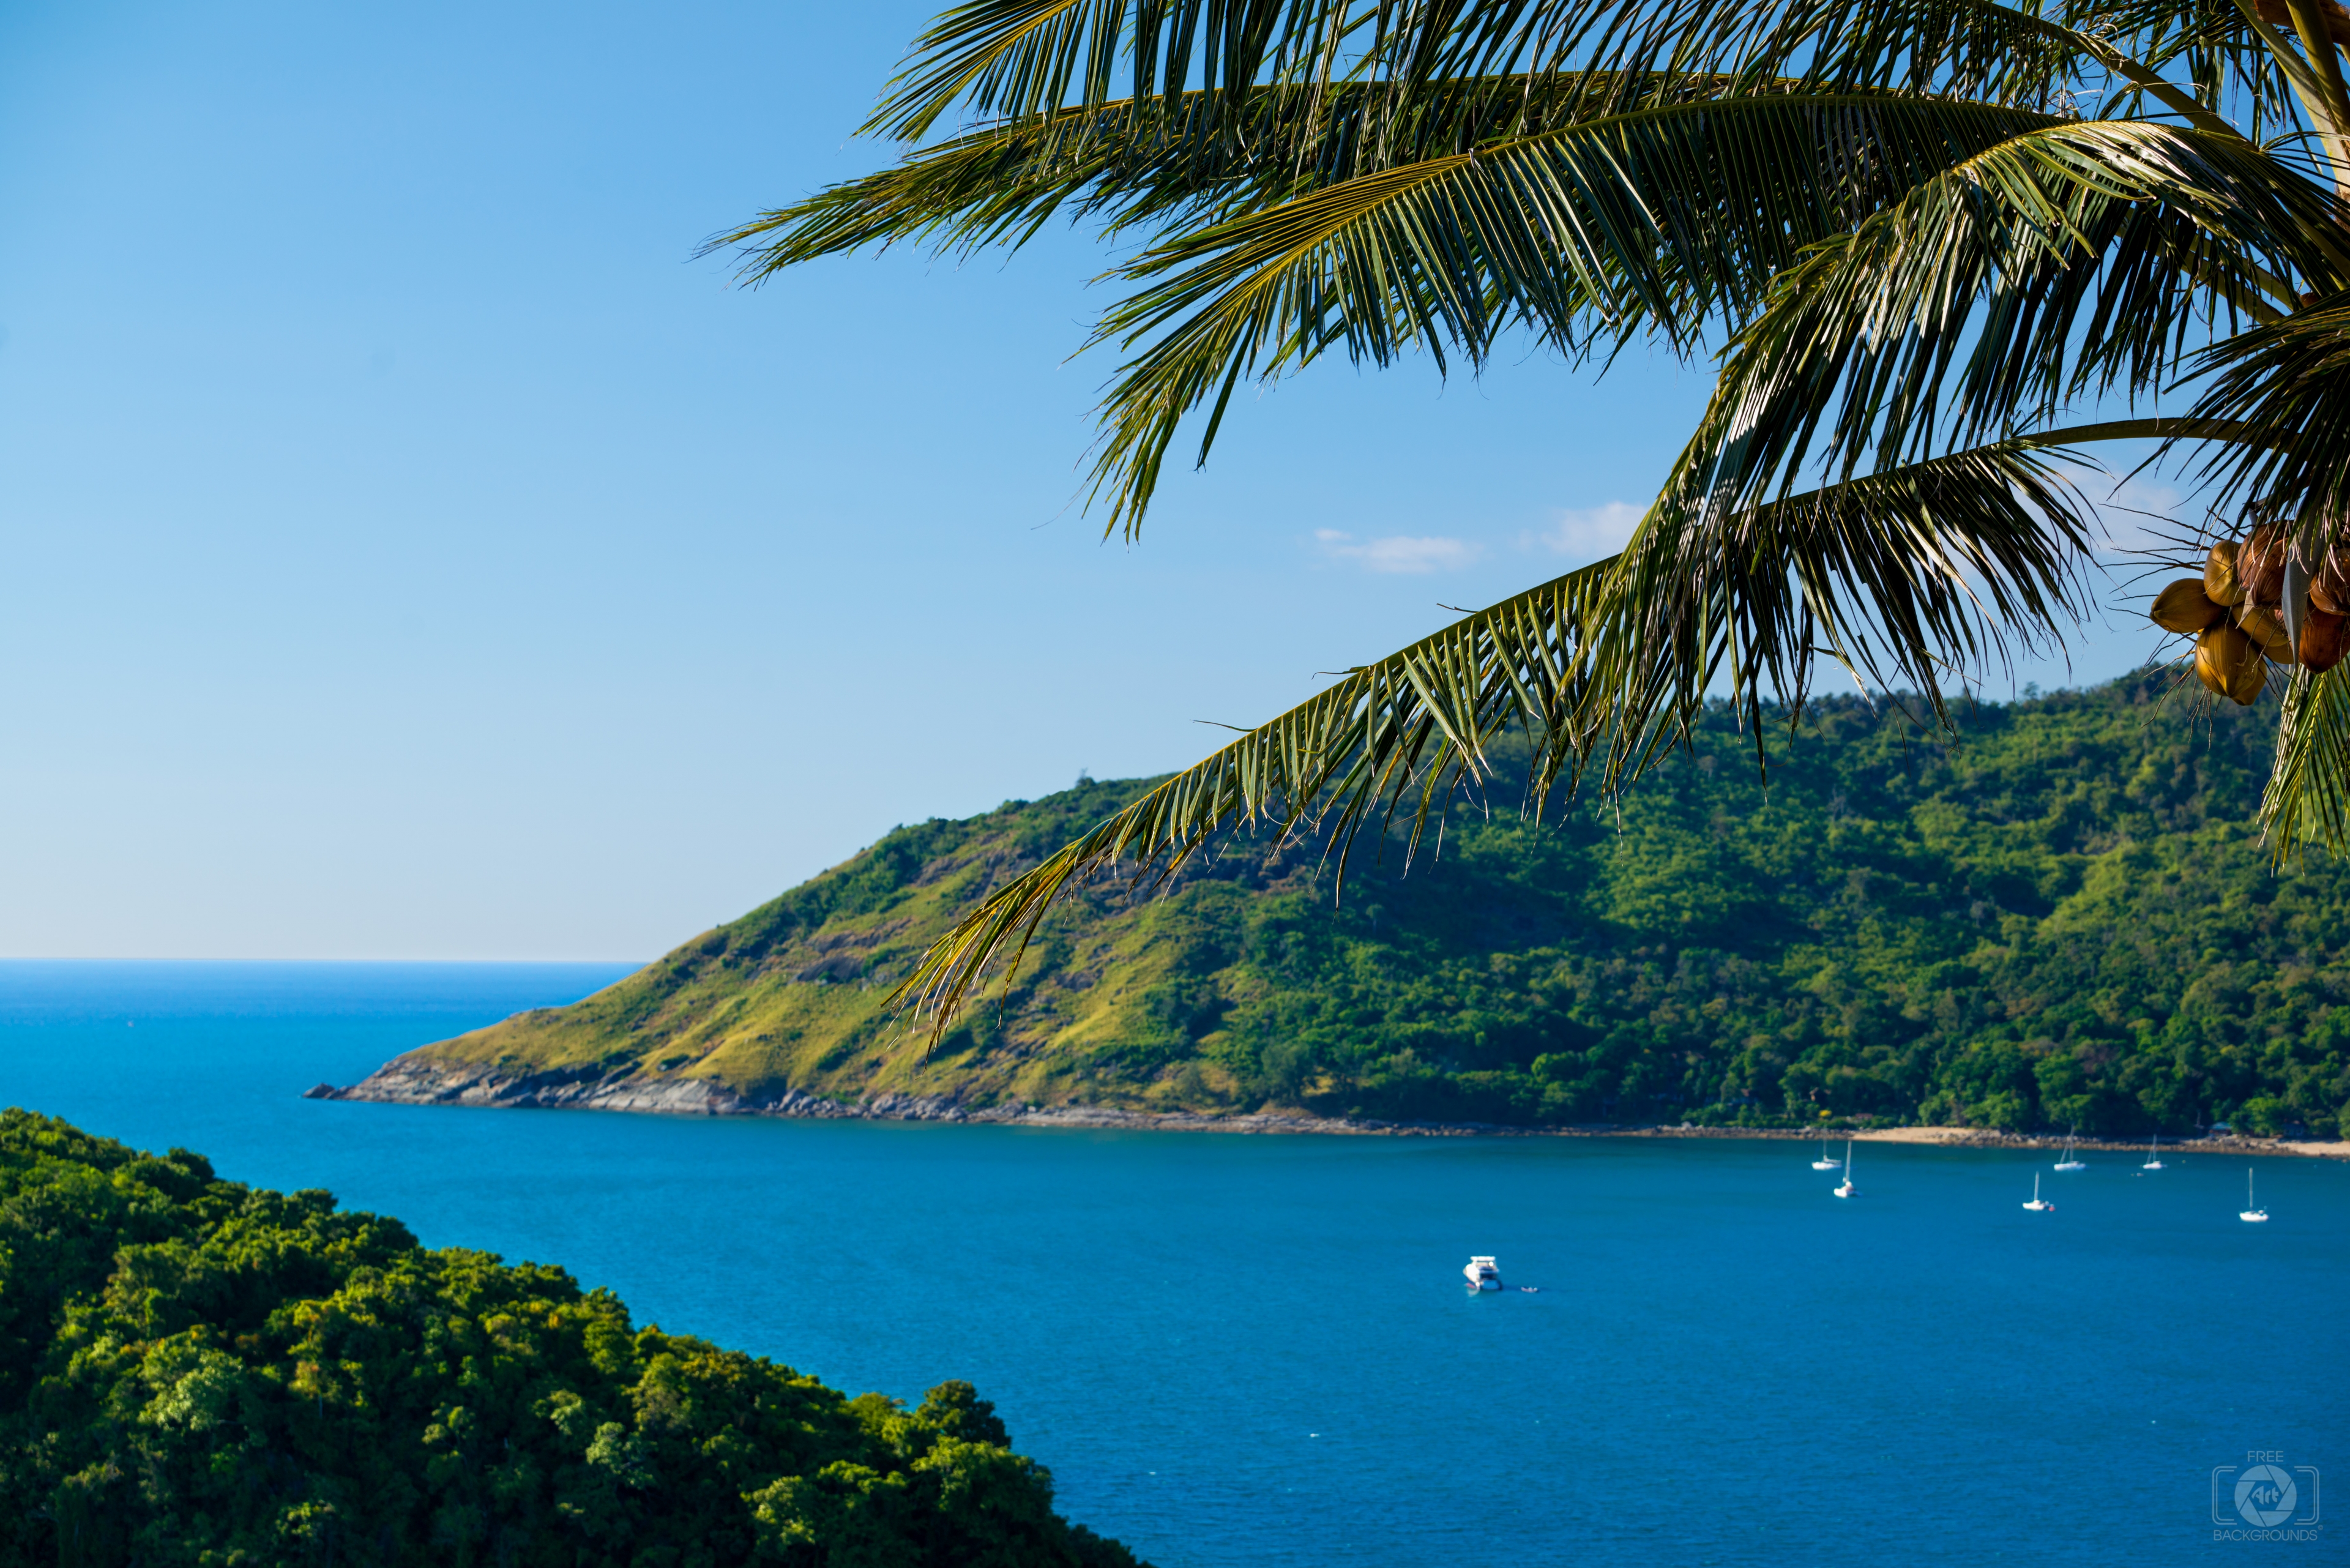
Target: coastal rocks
[[423, 1081], [413, 1082], [410, 1081]]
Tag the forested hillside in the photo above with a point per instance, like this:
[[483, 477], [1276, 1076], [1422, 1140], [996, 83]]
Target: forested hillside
[[2061, 916], [196, 1372]]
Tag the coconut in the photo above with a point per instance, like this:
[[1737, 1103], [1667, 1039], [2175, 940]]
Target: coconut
[[2220, 574], [2323, 639], [2261, 625], [2185, 606], [2229, 663], [2259, 564], [2330, 589]]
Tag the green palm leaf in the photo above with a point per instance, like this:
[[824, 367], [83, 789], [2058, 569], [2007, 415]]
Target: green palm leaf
[[1010, 59], [1912, 572], [2052, 266], [1668, 215], [2308, 796]]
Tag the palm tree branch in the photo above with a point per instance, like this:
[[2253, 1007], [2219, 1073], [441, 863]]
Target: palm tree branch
[[2308, 796], [2061, 263], [1013, 58], [1667, 216], [1184, 161], [1900, 572]]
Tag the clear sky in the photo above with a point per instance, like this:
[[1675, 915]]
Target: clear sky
[[412, 552]]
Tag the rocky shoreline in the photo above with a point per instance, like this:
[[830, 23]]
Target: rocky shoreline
[[415, 1083]]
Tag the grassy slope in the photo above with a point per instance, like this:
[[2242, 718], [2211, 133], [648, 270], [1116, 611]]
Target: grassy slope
[[2065, 916]]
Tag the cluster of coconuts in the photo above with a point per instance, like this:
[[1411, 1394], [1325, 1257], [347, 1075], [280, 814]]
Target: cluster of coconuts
[[2256, 602]]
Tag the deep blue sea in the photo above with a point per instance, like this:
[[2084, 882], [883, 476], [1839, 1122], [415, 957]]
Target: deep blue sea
[[1234, 1349]]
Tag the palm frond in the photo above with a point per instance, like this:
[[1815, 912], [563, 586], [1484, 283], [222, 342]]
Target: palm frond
[[1008, 60], [1914, 576], [2307, 801], [2291, 380], [1390, 738], [1668, 215], [1186, 160], [2064, 262], [1902, 576]]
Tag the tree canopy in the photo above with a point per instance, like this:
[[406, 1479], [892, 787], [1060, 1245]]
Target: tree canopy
[[195, 1372]]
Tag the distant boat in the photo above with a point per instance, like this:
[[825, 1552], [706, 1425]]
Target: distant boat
[[2068, 1162], [2253, 1214], [1483, 1275], [1826, 1161], [2151, 1163], [2039, 1205], [1848, 1189]]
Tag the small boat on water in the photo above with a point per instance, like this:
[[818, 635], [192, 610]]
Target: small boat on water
[[1826, 1161], [1846, 1190], [1483, 1275], [2152, 1162], [2069, 1162], [2039, 1205], [2253, 1214]]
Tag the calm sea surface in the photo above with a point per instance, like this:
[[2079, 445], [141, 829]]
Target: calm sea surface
[[1256, 1349]]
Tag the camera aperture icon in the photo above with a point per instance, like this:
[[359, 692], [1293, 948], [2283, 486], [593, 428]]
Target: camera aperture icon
[[2265, 1493]]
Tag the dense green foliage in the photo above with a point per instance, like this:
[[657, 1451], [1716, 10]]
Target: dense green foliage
[[2061, 915], [193, 1372]]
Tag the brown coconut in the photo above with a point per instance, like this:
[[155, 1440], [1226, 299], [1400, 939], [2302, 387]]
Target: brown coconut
[[2330, 589], [2259, 564], [2220, 574], [2325, 638], [2262, 624], [2185, 606], [2229, 663]]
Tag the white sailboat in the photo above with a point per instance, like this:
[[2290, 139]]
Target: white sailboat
[[2151, 1163], [2038, 1204], [1848, 1189], [2253, 1214], [2068, 1162], [1826, 1161]]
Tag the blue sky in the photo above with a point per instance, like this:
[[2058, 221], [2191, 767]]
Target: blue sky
[[412, 552]]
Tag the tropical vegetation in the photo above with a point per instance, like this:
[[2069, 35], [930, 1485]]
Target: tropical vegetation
[[1937, 251], [2052, 916], [197, 1373]]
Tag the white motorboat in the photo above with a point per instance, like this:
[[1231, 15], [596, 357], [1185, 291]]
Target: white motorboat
[[2253, 1214], [2068, 1162], [1483, 1275], [1846, 1190], [1826, 1161], [2152, 1162], [2039, 1205]]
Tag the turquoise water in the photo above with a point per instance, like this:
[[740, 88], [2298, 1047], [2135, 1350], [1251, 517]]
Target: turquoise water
[[1257, 1349]]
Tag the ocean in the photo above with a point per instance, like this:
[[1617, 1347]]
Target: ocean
[[1259, 1349]]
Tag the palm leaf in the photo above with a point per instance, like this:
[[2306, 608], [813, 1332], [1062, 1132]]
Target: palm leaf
[[1390, 737], [1906, 573], [1667, 216], [2308, 796], [1008, 60], [1186, 160], [2057, 265], [2290, 379]]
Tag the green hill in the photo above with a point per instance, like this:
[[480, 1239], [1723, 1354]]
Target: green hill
[[2064, 915], [195, 1372]]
